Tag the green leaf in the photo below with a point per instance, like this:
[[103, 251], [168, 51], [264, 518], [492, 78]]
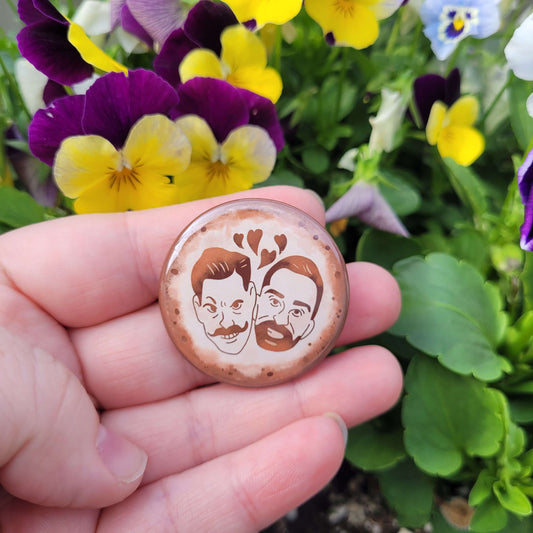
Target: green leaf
[[482, 488], [450, 313], [468, 186], [448, 418], [373, 448], [18, 208], [409, 492], [401, 196], [282, 177], [521, 122], [315, 159], [527, 281], [384, 249], [521, 410], [512, 498], [489, 516]]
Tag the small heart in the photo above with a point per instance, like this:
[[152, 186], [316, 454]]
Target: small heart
[[267, 257], [254, 237], [238, 238], [281, 241]]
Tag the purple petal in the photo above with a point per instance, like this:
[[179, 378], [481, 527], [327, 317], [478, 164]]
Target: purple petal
[[220, 104], [167, 62], [526, 231], [205, 23], [32, 11], [365, 202], [159, 19], [131, 25], [263, 113], [46, 47], [116, 8], [525, 178], [51, 125], [432, 87], [53, 91], [114, 103]]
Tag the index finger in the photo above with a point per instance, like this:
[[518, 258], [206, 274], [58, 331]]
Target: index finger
[[88, 269]]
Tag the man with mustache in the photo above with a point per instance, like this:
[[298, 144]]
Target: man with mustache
[[224, 297], [289, 300]]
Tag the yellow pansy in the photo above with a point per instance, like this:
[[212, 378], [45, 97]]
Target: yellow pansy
[[351, 22], [139, 176], [242, 62], [265, 11], [246, 156], [451, 130]]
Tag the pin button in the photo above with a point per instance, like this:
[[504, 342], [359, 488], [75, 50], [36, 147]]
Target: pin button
[[254, 292]]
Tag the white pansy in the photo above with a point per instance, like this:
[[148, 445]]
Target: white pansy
[[388, 121], [31, 84], [518, 50], [94, 17]]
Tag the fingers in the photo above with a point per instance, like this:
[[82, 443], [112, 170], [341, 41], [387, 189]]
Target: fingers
[[131, 360], [358, 384], [239, 492], [53, 451], [106, 266]]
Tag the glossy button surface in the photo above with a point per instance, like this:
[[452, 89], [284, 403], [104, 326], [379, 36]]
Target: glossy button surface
[[254, 292]]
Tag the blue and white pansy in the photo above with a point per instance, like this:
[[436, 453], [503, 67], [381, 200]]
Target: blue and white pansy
[[447, 22]]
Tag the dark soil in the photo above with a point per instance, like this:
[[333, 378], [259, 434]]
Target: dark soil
[[351, 503]]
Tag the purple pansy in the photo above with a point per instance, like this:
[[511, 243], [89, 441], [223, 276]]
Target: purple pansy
[[111, 106], [150, 21], [431, 88], [44, 43], [525, 186], [225, 107], [202, 29]]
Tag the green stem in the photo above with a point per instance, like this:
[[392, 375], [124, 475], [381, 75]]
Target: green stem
[[12, 6], [14, 87], [276, 56], [342, 78], [393, 36], [493, 104]]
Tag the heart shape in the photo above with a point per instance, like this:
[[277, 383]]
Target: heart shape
[[281, 241], [267, 257], [254, 237], [238, 238]]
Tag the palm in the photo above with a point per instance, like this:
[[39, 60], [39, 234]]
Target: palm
[[237, 458]]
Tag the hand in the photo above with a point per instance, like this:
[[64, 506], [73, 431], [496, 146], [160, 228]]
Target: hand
[[99, 410]]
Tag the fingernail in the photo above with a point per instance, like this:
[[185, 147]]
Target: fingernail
[[123, 459], [341, 423]]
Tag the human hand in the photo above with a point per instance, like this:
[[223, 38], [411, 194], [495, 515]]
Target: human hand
[[80, 330]]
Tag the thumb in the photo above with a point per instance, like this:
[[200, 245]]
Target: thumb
[[53, 450]]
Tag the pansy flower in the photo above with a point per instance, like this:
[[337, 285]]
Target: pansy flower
[[57, 47], [234, 136], [115, 148], [518, 54], [449, 118], [447, 22], [525, 186], [257, 13], [350, 22], [212, 44]]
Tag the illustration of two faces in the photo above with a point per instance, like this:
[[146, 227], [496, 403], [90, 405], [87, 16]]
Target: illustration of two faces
[[280, 312]]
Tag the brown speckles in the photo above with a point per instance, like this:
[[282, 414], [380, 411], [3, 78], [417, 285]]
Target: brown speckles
[[203, 229], [337, 274], [328, 248], [174, 271], [176, 311], [270, 374], [184, 338], [315, 237]]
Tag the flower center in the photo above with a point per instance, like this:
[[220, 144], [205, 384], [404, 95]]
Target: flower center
[[124, 176], [218, 171], [456, 22], [344, 7]]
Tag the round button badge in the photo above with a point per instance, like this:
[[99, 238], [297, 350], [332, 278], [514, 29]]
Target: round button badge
[[254, 292]]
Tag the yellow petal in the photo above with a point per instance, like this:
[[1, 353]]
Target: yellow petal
[[435, 122], [464, 111], [251, 155], [264, 11], [202, 63], [263, 81], [82, 161], [90, 52], [464, 145], [203, 143], [351, 21], [158, 148], [242, 48]]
